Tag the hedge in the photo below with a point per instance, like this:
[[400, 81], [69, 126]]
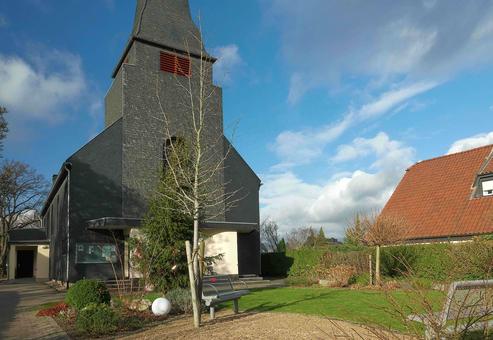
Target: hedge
[[298, 262], [435, 262]]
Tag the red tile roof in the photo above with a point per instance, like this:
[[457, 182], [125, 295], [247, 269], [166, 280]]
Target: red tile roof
[[435, 197]]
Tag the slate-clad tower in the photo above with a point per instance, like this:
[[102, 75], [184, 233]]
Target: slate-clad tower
[[103, 189]]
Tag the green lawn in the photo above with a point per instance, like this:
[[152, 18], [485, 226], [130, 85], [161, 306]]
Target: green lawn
[[360, 306]]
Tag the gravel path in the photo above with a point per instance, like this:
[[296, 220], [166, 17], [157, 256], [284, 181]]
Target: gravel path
[[264, 326]]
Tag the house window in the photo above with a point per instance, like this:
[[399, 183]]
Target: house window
[[96, 253], [174, 64], [487, 186]]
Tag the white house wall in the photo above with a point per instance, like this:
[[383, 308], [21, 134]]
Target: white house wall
[[42, 262], [225, 243]]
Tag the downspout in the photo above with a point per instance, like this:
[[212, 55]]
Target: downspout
[[67, 167]]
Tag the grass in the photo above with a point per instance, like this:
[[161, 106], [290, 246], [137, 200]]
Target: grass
[[361, 306]]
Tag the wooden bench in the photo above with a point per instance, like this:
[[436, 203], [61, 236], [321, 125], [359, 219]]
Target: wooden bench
[[469, 304], [219, 288]]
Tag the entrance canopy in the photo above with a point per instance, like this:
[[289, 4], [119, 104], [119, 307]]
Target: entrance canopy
[[123, 223], [239, 227], [114, 223]]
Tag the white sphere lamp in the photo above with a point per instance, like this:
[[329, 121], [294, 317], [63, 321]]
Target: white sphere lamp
[[161, 307]]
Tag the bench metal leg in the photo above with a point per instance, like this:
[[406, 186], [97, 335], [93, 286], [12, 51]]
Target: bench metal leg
[[213, 313], [235, 306]]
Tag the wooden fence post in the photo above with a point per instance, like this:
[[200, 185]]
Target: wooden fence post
[[371, 269]]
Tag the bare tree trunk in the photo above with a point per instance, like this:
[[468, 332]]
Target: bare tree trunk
[[195, 305], [196, 271], [4, 247]]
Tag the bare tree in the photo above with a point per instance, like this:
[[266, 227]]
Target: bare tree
[[22, 190], [356, 231], [269, 234], [3, 126], [297, 238], [194, 157], [381, 230]]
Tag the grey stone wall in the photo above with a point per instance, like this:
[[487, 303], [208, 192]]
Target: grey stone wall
[[150, 99], [95, 192], [55, 221]]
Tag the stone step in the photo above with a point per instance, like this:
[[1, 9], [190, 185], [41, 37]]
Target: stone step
[[250, 278]]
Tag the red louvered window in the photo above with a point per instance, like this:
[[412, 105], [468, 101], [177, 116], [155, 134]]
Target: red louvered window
[[175, 64]]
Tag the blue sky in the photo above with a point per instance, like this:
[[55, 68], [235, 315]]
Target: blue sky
[[331, 100]]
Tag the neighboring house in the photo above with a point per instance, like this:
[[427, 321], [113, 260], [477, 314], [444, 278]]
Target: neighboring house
[[28, 248], [448, 198], [101, 192]]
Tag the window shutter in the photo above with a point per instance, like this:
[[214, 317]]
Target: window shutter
[[174, 64]]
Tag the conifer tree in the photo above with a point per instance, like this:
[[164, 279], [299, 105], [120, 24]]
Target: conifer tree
[[160, 248], [321, 239], [281, 246]]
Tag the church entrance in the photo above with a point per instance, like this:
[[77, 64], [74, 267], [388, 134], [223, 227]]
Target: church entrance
[[25, 264]]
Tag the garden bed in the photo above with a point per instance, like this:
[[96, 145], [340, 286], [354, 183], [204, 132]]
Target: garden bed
[[130, 322]]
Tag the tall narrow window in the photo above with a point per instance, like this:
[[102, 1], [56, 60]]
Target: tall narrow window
[[169, 145], [174, 64]]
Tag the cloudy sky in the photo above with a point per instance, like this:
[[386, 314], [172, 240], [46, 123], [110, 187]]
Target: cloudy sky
[[331, 100]]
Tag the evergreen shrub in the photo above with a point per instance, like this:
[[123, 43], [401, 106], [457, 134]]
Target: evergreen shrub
[[96, 319], [85, 292]]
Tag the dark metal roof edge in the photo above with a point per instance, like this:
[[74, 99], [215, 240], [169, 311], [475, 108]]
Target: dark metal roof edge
[[232, 222], [240, 227], [62, 174], [29, 242]]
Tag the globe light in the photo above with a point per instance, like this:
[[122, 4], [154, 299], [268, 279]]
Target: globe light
[[161, 307]]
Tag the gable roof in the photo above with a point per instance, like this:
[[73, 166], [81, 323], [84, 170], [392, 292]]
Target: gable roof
[[435, 197]]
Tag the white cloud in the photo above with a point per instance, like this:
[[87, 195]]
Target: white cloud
[[476, 141], [228, 59], [38, 90], [325, 42], [293, 202], [302, 147]]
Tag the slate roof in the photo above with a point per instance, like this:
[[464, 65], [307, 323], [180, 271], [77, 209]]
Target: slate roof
[[169, 23], [28, 235], [435, 198]]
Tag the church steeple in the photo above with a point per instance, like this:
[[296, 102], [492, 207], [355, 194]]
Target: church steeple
[[166, 23]]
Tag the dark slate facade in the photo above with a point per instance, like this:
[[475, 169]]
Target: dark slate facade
[[102, 190]]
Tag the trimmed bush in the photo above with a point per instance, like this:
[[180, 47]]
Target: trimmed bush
[[85, 292], [276, 264], [96, 319], [181, 301], [397, 261], [304, 260]]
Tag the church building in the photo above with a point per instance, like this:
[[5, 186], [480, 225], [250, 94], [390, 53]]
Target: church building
[[100, 196]]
